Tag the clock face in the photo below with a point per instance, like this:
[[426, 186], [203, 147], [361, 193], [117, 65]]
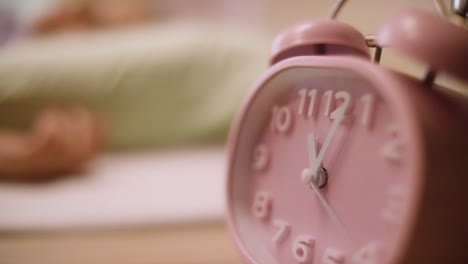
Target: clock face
[[321, 171]]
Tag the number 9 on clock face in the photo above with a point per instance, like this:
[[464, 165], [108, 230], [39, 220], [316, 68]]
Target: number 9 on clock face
[[320, 170]]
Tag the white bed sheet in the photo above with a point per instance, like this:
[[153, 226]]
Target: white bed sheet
[[158, 187]]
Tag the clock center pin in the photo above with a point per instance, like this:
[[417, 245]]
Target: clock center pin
[[319, 179]]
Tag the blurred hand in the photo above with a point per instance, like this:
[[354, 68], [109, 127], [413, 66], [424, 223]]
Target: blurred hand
[[60, 141]]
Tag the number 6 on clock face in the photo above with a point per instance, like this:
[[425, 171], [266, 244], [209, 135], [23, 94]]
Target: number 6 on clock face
[[303, 247]]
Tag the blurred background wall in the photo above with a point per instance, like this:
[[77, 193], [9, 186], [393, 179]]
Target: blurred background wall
[[272, 15]]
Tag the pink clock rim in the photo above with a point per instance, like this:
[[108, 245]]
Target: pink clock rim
[[389, 89]]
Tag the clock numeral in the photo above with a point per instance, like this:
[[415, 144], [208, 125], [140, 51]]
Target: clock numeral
[[261, 206], [394, 207], [284, 229], [332, 256], [342, 98], [282, 119], [328, 102], [304, 94], [303, 248], [366, 255], [368, 110], [392, 150], [261, 158]]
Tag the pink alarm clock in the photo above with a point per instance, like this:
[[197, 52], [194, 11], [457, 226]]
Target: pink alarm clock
[[334, 159]]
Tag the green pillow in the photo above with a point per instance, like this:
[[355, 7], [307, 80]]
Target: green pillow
[[159, 85]]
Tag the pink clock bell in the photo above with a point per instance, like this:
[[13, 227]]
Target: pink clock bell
[[334, 159]]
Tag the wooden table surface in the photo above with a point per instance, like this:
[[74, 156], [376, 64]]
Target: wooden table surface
[[194, 244]]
